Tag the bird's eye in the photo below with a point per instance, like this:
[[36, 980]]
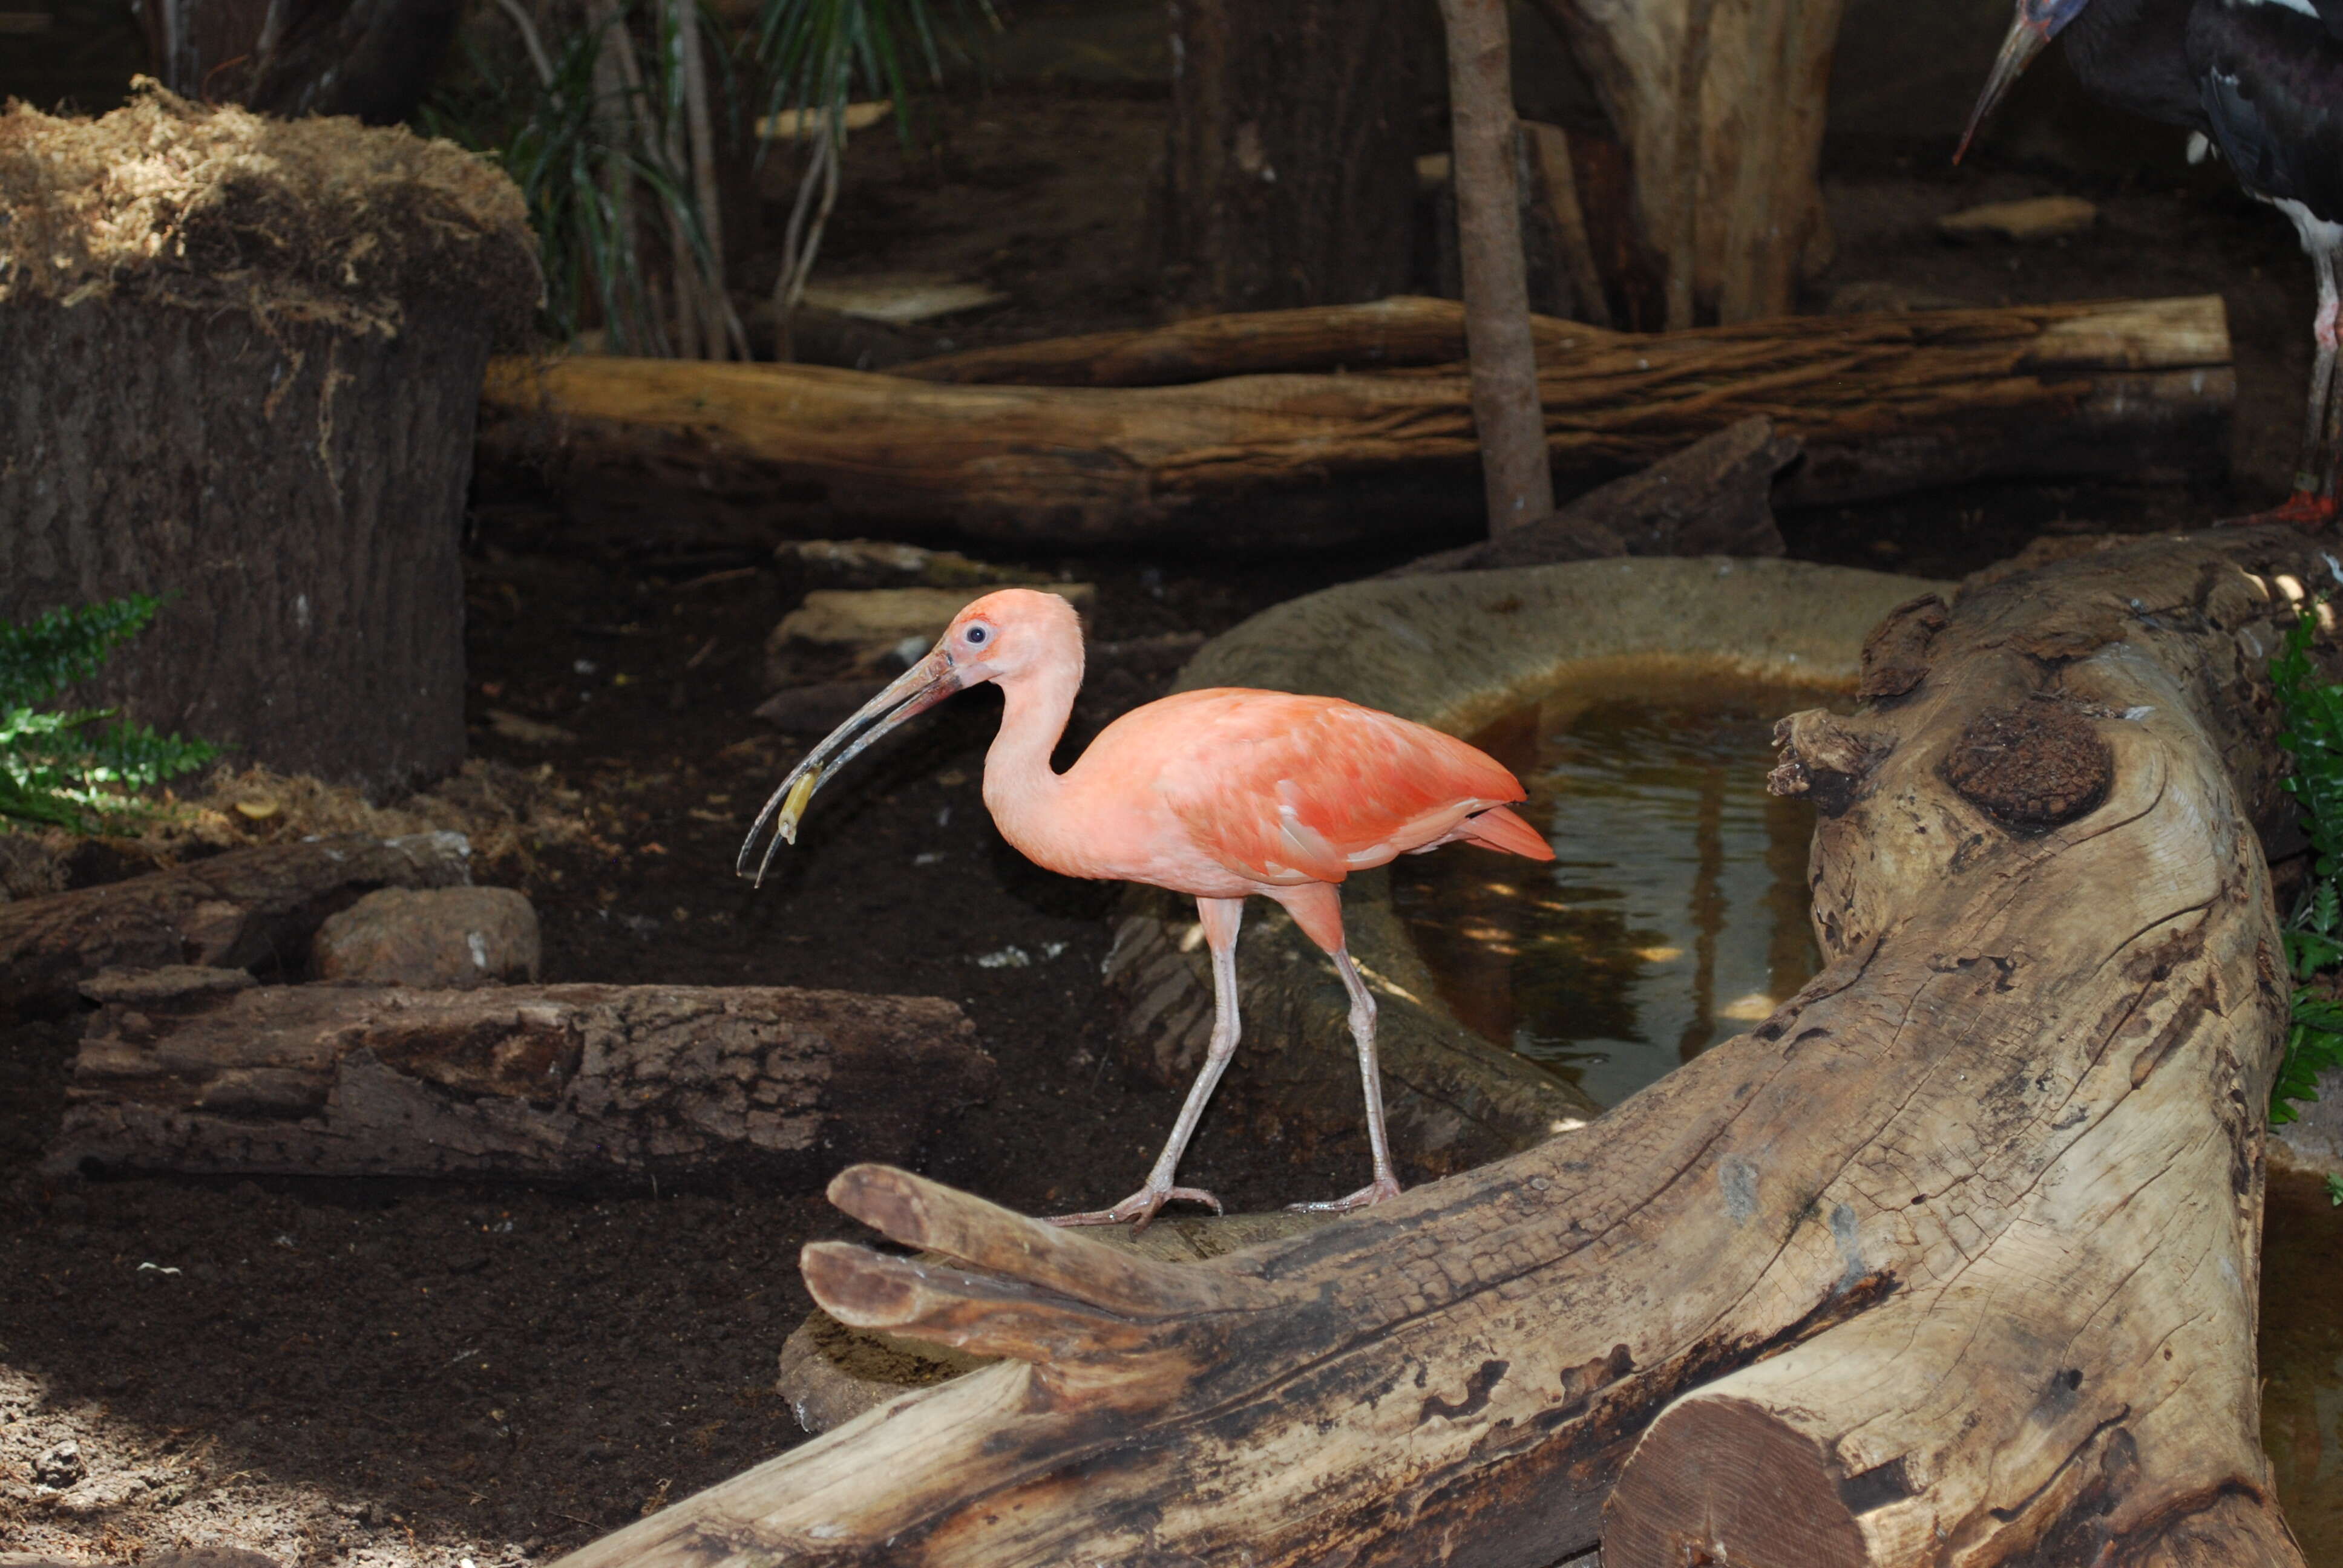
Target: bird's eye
[[976, 636]]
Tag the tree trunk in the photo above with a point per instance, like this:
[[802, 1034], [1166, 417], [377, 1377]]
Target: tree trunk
[[1883, 404], [1952, 1260], [1515, 474], [1719, 104], [255, 907], [198, 1070], [1288, 175], [251, 389]]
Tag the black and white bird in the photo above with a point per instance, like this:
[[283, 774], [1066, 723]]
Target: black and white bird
[[2261, 83]]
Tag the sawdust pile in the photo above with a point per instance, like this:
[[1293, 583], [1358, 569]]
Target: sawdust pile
[[213, 208]]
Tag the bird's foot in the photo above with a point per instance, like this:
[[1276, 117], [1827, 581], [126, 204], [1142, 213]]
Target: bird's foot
[[1372, 1193], [2306, 510], [1140, 1208]]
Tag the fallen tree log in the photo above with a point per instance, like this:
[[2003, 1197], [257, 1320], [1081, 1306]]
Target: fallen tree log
[[1952, 1260], [256, 906], [195, 1070], [1406, 331], [1883, 404]]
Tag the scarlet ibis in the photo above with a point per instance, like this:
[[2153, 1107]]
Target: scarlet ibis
[[1220, 794], [2262, 82]]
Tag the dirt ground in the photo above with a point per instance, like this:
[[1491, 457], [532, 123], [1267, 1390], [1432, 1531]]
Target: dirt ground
[[403, 1374]]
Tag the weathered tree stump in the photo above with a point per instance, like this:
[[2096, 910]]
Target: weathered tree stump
[[200, 1071], [1288, 175], [1952, 1260], [252, 907], [246, 358], [1719, 104], [1883, 405]]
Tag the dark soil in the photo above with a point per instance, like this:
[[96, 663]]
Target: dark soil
[[397, 1375]]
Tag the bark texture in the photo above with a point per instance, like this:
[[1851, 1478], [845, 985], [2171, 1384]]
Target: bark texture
[[1289, 170], [1951, 1261], [200, 1071], [1883, 405], [258, 907], [299, 494], [1719, 104]]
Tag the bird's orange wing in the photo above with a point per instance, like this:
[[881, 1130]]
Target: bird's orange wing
[[1284, 789]]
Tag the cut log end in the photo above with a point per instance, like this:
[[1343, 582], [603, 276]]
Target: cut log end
[[1723, 1480]]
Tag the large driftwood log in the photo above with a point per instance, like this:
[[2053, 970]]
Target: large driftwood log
[[1951, 1261], [196, 1069], [1883, 404], [251, 907]]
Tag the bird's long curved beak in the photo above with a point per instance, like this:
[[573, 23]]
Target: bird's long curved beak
[[2028, 37], [913, 692]]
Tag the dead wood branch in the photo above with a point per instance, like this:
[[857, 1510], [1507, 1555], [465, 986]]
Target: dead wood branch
[[257, 906], [1712, 498], [1952, 1259], [1883, 404], [195, 1070]]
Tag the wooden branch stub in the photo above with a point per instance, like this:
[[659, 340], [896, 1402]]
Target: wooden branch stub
[[200, 1071], [1895, 654], [1722, 1481], [1824, 757], [2031, 767]]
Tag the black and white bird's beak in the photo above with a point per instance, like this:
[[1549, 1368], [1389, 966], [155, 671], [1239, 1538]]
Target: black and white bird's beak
[[910, 694], [2029, 34]]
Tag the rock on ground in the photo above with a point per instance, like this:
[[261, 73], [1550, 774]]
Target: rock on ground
[[435, 938]]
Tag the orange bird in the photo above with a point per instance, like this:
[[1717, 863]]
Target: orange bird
[[1220, 794]]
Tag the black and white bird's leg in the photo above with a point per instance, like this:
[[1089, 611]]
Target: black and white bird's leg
[[1362, 1035], [1220, 918], [2323, 439]]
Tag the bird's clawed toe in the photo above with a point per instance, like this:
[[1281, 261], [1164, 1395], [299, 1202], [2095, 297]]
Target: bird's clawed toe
[[1140, 1208], [1372, 1193]]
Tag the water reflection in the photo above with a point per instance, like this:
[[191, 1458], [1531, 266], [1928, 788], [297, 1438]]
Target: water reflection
[[2302, 1361], [1675, 913]]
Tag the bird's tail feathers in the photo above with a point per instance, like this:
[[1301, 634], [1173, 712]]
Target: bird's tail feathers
[[1501, 828]]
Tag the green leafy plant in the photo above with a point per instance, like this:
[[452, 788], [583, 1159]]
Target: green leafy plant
[[64, 767], [610, 132], [2314, 931], [813, 56]]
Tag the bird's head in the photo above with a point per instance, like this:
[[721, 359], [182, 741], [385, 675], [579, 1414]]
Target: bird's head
[[2030, 32], [1002, 637]]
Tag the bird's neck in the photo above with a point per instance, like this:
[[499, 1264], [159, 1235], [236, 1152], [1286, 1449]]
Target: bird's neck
[[1020, 789]]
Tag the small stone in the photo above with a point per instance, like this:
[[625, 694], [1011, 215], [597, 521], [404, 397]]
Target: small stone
[[836, 633], [2041, 218], [61, 1466], [431, 937], [528, 732], [877, 564]]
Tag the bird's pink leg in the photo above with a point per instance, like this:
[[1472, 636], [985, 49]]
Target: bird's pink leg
[[1317, 908], [1221, 918]]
